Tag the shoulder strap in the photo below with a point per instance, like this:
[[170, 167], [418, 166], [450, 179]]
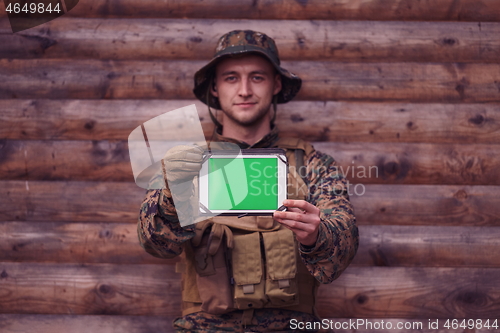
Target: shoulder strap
[[300, 148], [295, 143]]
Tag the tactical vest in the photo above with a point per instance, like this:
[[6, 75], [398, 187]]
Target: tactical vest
[[250, 262]]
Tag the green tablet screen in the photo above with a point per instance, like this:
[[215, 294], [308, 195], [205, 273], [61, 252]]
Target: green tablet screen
[[250, 184]]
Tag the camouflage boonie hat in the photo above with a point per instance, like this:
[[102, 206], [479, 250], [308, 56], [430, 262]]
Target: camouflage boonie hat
[[239, 42]]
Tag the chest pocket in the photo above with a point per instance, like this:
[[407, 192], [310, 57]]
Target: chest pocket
[[264, 270]]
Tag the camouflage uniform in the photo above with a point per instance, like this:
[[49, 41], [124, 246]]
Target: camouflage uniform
[[336, 245], [161, 235]]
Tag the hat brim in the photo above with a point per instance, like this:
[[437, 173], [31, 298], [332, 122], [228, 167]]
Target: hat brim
[[290, 83]]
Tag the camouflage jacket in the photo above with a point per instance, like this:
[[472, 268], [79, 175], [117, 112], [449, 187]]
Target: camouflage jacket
[[161, 235]]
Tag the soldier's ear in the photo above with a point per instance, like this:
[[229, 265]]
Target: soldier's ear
[[213, 89], [277, 84]]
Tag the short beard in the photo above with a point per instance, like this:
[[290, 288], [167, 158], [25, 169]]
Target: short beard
[[256, 119]]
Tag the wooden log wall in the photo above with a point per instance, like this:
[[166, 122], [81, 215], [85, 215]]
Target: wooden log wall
[[404, 94]]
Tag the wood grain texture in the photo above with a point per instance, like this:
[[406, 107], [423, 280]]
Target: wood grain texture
[[313, 121], [391, 122], [379, 292], [322, 80], [154, 290], [76, 243], [384, 163], [444, 205], [426, 205], [70, 201], [10, 323], [366, 163], [160, 39], [428, 10], [116, 243], [411, 88], [86, 119], [66, 160], [426, 246]]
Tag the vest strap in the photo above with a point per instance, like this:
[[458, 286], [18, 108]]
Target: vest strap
[[294, 144], [224, 226], [246, 318], [249, 223]]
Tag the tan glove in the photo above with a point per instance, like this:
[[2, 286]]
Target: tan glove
[[180, 166], [182, 163]]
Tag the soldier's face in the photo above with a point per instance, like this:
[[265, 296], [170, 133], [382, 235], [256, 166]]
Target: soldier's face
[[245, 87]]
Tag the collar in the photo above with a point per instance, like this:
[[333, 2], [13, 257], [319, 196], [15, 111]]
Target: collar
[[266, 141]]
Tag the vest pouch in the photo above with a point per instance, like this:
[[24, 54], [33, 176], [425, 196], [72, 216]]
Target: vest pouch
[[249, 291], [281, 268], [212, 279]]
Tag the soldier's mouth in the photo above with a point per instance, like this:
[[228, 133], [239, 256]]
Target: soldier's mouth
[[249, 104]]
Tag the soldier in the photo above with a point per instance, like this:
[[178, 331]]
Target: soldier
[[262, 272]]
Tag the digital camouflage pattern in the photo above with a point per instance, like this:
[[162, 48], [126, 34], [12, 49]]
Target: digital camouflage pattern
[[264, 320], [247, 38], [161, 235], [240, 42], [159, 230]]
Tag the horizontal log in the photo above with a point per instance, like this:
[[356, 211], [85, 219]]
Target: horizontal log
[[81, 243], [141, 324], [366, 163], [86, 119], [66, 160], [391, 122], [426, 246], [70, 201], [85, 323], [337, 121], [154, 290], [384, 163], [426, 205], [441, 10], [378, 292], [116, 243], [151, 39], [444, 205], [322, 80]]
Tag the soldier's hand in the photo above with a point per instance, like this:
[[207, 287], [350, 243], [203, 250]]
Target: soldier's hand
[[182, 163], [302, 218]]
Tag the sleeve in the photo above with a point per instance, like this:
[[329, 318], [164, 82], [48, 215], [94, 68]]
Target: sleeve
[[158, 229], [338, 237]]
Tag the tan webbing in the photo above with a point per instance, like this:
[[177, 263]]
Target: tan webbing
[[222, 225]]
